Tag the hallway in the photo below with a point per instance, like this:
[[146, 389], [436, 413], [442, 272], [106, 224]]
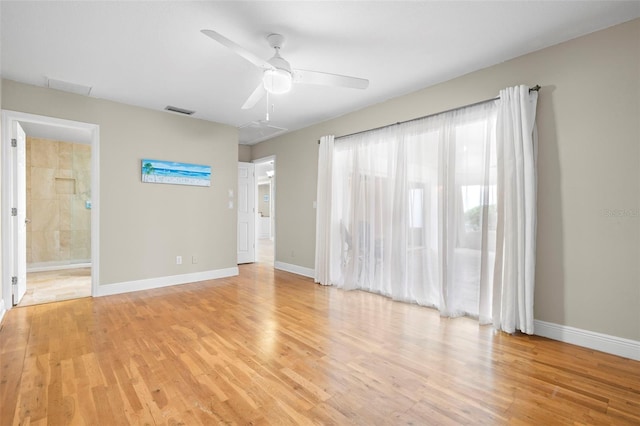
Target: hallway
[[265, 251]]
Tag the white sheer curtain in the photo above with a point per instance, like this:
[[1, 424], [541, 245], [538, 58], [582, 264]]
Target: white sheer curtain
[[323, 210], [413, 214], [517, 144], [414, 208]]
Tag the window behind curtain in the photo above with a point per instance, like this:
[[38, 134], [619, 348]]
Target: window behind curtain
[[413, 211]]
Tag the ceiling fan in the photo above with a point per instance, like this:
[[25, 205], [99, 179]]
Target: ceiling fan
[[278, 76]]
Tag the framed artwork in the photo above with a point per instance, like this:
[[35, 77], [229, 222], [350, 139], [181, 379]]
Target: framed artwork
[[171, 172]]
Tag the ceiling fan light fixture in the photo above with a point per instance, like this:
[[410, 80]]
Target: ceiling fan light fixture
[[278, 76], [277, 81]]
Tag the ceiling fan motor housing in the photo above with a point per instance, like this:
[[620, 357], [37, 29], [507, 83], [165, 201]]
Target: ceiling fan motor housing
[[279, 79]]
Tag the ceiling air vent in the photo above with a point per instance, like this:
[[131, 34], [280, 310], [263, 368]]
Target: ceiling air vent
[[179, 110], [66, 86], [257, 131]]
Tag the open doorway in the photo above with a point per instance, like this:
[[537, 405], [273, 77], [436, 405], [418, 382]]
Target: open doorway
[[58, 177], [60, 162], [265, 209]]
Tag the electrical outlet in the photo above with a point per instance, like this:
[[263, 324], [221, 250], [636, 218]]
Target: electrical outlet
[[194, 259], [178, 260]]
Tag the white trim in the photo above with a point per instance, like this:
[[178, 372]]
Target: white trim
[[2, 310], [620, 346], [8, 117], [151, 283], [300, 270], [95, 209]]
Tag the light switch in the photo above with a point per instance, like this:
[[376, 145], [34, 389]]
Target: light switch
[[230, 193], [230, 204]]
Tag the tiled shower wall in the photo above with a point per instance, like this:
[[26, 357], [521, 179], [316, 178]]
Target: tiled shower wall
[[58, 190]]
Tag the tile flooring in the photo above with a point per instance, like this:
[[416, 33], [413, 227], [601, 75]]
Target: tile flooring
[[53, 286]]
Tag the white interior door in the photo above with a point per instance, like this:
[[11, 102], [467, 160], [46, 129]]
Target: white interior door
[[19, 219], [246, 213]]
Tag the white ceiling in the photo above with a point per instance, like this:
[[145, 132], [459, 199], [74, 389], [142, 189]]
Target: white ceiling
[[152, 54]]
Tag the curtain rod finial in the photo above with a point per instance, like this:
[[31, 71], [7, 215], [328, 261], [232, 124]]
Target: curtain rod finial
[[534, 88]]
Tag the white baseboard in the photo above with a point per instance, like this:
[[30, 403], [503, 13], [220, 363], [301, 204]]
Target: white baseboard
[[3, 310], [300, 270], [620, 346], [151, 283], [58, 267]]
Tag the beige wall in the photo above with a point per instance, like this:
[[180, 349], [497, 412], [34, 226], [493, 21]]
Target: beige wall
[[58, 176], [296, 168], [588, 255], [244, 153], [143, 226], [2, 305]]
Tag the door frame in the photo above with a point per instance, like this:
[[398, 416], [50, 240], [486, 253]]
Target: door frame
[[17, 169], [8, 117]]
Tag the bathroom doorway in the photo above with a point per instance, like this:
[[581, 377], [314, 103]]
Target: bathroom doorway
[[59, 250], [58, 176]]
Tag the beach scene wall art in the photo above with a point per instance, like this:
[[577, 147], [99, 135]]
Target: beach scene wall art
[[171, 172]]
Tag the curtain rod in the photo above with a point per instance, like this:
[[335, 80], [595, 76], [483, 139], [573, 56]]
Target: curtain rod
[[531, 89]]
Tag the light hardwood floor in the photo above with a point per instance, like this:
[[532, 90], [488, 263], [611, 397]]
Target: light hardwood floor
[[269, 347]]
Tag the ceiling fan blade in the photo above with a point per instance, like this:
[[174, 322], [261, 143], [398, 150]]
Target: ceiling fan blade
[[254, 59], [326, 79], [255, 97]]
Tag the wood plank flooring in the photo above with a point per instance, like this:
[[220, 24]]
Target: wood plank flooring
[[269, 347]]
